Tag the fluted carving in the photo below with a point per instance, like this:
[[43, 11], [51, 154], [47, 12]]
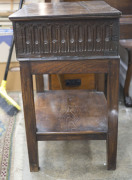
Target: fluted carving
[[84, 38]]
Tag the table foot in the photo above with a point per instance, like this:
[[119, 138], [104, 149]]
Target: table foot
[[34, 168], [111, 167]]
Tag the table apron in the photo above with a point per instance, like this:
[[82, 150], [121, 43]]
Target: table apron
[[65, 67]]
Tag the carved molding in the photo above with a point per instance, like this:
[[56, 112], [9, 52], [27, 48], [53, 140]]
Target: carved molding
[[77, 38]]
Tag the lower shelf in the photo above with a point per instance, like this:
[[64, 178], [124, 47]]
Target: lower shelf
[[71, 114]]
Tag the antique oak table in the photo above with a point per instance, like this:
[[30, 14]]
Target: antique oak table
[[79, 37]]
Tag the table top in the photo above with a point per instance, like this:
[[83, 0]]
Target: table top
[[83, 9]]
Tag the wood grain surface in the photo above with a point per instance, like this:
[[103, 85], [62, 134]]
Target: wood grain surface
[[72, 112], [62, 9]]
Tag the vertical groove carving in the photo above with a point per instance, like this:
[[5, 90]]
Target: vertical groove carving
[[98, 38], [80, 38], [27, 36], [24, 42], [45, 39], [63, 39], [94, 38], [33, 44], [103, 37], [66, 38], [111, 33], [107, 29], [41, 40], [76, 37], [50, 38], [90, 39], [59, 39], [30, 30], [54, 39], [85, 38], [36, 42], [72, 39], [20, 40]]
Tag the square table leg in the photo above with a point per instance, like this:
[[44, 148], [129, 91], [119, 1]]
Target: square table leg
[[112, 99], [29, 113], [39, 83]]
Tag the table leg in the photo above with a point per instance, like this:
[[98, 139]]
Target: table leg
[[29, 113], [100, 82], [112, 99], [39, 83]]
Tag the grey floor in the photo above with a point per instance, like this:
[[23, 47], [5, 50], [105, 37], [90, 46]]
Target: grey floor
[[84, 160]]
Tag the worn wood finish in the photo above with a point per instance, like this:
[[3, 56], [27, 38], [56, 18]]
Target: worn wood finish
[[101, 39], [112, 99], [61, 37], [123, 5], [72, 136], [39, 83], [74, 10], [58, 81], [69, 115], [78, 38], [60, 67], [29, 114]]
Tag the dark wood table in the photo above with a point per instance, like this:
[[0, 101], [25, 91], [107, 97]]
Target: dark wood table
[[51, 39]]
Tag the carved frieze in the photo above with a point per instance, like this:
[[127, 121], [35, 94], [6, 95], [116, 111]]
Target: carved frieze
[[67, 38]]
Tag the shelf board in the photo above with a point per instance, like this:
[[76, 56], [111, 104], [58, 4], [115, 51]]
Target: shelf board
[[71, 114]]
